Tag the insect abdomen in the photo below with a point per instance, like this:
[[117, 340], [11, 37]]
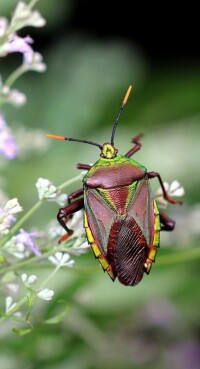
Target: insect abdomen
[[127, 250]]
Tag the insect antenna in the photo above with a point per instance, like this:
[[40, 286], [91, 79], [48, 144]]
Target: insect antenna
[[74, 139], [119, 114]]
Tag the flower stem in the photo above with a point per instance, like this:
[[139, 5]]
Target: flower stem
[[15, 75], [33, 3], [69, 182], [42, 284], [14, 309], [15, 228], [25, 299], [32, 260]]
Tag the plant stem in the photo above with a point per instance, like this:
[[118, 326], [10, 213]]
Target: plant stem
[[32, 260], [15, 228], [69, 182], [178, 257], [33, 3], [25, 299], [15, 75], [42, 284], [14, 309]]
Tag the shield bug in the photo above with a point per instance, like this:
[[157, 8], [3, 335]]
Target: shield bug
[[121, 218]]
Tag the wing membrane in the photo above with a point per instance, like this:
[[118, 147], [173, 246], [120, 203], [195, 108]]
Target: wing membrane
[[130, 251]]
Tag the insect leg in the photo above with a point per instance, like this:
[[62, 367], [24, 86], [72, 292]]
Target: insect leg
[[75, 194], [83, 166], [165, 195], [168, 223], [64, 214], [137, 146]]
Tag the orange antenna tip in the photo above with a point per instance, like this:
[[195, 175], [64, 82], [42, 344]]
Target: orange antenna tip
[[56, 137], [127, 95]]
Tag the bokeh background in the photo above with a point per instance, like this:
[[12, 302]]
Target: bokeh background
[[93, 52]]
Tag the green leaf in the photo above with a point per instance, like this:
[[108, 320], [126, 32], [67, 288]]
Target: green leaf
[[22, 332], [58, 318]]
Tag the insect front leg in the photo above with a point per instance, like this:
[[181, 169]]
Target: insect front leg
[[74, 195], [64, 214], [165, 195], [136, 147], [168, 223]]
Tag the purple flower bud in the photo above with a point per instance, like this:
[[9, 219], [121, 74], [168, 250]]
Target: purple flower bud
[[6, 221], [26, 239], [8, 147], [20, 45]]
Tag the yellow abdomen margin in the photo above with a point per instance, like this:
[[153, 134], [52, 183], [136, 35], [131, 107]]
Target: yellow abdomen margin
[[97, 251]]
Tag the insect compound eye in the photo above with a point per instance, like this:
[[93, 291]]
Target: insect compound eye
[[108, 151]]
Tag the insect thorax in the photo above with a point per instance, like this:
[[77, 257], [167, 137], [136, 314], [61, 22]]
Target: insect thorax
[[116, 172]]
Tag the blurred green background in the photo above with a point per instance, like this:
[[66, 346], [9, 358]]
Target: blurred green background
[[91, 60]]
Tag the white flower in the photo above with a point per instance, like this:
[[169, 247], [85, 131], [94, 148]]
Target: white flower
[[80, 247], [16, 98], [76, 224], [45, 294], [37, 63], [61, 259], [12, 206], [6, 220], [28, 281], [9, 303], [16, 249], [24, 277], [175, 189], [32, 279], [61, 199], [36, 20], [6, 215], [3, 25], [22, 244], [21, 11], [54, 230], [12, 96], [23, 16], [46, 189]]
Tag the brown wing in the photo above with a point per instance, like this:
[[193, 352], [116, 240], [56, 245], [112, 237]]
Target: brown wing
[[127, 250], [142, 210], [100, 217]]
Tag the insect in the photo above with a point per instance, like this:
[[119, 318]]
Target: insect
[[121, 218]]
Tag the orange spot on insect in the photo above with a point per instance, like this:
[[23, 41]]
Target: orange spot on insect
[[64, 237]]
